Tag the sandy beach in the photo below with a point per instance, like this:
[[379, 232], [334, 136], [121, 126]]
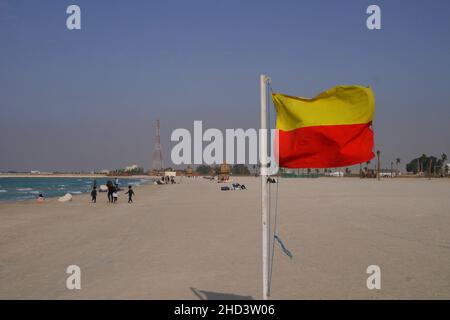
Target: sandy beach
[[192, 241]]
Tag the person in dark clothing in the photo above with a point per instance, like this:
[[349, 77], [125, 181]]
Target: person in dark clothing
[[130, 193], [110, 186], [94, 194]]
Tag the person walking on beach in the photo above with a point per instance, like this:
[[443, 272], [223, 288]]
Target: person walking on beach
[[116, 183], [130, 193], [94, 194], [110, 187]]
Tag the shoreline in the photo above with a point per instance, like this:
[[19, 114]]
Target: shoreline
[[150, 181], [54, 199], [70, 175]]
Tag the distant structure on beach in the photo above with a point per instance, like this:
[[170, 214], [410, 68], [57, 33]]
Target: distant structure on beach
[[132, 167], [157, 154], [224, 173], [189, 171]]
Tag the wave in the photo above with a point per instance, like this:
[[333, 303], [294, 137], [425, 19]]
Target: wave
[[24, 189], [75, 192], [34, 192], [2, 191], [28, 197]]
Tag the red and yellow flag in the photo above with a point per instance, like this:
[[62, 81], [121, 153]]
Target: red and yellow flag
[[330, 130]]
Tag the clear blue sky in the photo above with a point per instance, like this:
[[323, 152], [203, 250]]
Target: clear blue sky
[[82, 100]]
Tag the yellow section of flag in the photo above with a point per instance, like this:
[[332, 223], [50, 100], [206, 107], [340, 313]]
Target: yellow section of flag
[[341, 105]]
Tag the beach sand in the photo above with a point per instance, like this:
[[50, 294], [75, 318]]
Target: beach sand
[[192, 241]]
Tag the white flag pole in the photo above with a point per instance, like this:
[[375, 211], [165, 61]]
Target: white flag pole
[[263, 159]]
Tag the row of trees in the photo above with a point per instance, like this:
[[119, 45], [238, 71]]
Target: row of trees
[[237, 169], [420, 164], [123, 172], [428, 164]]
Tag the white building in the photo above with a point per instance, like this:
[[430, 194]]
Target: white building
[[131, 168]]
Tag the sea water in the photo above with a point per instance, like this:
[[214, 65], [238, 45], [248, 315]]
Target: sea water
[[16, 189]]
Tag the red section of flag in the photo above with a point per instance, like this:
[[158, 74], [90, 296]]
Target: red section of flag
[[326, 146]]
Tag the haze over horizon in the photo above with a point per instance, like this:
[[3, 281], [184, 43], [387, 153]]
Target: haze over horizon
[[88, 99]]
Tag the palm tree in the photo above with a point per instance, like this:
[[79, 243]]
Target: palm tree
[[378, 165], [422, 161], [430, 163], [392, 169], [443, 159]]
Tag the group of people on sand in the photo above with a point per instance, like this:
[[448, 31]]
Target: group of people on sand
[[113, 191], [166, 180]]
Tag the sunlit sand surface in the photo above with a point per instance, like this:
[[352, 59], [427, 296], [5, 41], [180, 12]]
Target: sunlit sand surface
[[193, 241]]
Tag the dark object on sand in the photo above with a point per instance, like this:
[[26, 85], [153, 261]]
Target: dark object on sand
[[237, 186], [271, 180], [94, 195], [226, 188]]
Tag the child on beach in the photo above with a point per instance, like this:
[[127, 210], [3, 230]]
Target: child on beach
[[94, 194], [115, 196], [40, 198], [130, 193]]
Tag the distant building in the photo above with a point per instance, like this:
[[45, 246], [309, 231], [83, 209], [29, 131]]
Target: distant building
[[335, 174], [387, 174], [133, 167]]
